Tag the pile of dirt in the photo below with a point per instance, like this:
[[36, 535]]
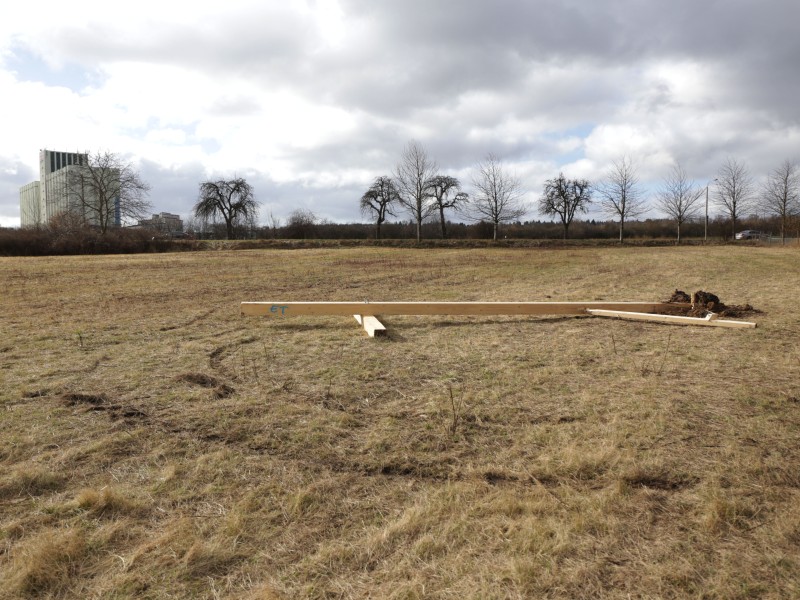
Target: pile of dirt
[[706, 302], [679, 297], [737, 310]]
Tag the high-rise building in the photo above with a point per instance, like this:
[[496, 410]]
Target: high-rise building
[[56, 192]]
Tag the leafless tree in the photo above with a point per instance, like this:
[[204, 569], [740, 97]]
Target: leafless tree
[[620, 194], [781, 194], [107, 190], [734, 193], [232, 200], [564, 197], [446, 194], [377, 201], [416, 168], [273, 224], [498, 195], [301, 224], [677, 198]]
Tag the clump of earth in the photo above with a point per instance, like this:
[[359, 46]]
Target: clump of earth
[[706, 302]]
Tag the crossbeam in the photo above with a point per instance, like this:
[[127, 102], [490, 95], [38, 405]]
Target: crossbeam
[[371, 325], [292, 309]]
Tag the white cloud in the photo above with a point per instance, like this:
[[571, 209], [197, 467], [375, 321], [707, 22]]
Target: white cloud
[[314, 98]]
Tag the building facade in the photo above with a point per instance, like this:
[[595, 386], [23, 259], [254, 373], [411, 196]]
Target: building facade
[[59, 191], [163, 222], [31, 209]]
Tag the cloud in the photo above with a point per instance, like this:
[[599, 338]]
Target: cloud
[[312, 99]]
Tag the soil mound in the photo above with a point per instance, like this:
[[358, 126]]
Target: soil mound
[[679, 297], [706, 302]]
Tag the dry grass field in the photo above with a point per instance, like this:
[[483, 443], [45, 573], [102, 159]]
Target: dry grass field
[[156, 444]]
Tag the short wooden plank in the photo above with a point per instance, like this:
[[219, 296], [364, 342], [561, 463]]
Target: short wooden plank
[[287, 309], [709, 320], [373, 327]]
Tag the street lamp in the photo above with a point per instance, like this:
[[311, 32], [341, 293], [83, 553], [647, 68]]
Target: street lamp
[[705, 233]]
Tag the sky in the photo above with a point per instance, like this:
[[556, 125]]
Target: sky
[[311, 100]]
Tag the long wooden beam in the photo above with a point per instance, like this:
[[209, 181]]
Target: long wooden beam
[[290, 309], [711, 320]]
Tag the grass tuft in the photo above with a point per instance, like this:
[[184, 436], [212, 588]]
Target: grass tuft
[[30, 481], [47, 564], [107, 503]]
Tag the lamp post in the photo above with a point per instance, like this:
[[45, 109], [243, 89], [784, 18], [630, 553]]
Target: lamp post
[[705, 233]]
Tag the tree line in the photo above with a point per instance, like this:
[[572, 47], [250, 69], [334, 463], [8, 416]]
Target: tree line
[[418, 188], [109, 186]]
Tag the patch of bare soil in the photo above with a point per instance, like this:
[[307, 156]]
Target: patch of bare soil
[[91, 399], [221, 390], [200, 379], [100, 403]]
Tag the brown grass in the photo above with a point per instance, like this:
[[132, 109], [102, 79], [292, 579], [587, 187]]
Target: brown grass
[[157, 444]]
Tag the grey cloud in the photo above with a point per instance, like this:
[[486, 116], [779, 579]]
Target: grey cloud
[[13, 175], [406, 55], [461, 71], [172, 190]]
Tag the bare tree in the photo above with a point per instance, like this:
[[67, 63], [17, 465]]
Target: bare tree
[[416, 168], [301, 224], [377, 201], [620, 193], [781, 194], [564, 197], [498, 195], [734, 193], [273, 224], [677, 197], [446, 194], [107, 190], [232, 200]]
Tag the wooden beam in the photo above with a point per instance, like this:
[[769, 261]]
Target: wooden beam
[[371, 325], [289, 309], [710, 320]]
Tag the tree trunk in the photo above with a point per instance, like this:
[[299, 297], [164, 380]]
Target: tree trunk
[[494, 231], [378, 230], [678, 241], [621, 230], [444, 227], [419, 229]]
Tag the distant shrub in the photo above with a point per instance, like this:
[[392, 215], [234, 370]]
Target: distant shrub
[[63, 238]]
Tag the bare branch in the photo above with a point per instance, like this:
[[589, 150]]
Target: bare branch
[[446, 194], [564, 197], [620, 194], [233, 200], [677, 197], [734, 193], [106, 190], [498, 195], [781, 194], [416, 168], [377, 201]]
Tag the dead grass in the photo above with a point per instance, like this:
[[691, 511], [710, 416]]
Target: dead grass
[[157, 444]]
